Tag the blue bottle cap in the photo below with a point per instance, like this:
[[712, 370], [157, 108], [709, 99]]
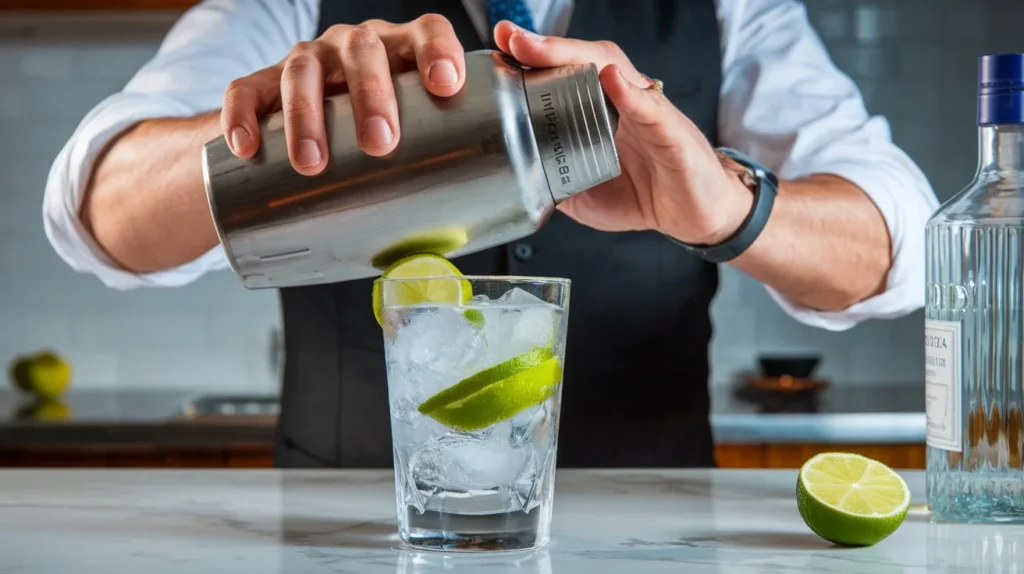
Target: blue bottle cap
[[1001, 89]]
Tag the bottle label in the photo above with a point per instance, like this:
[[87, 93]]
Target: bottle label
[[942, 383]]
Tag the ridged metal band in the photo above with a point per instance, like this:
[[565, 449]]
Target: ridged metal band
[[574, 128]]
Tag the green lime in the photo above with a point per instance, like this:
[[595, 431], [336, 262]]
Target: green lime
[[19, 373], [851, 500], [425, 290], [475, 317], [44, 374], [497, 393], [439, 242]]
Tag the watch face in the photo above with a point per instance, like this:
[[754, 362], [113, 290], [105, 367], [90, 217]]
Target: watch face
[[747, 176], [748, 165], [739, 156]]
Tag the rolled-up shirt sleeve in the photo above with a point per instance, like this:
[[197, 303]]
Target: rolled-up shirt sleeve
[[787, 105], [213, 43]]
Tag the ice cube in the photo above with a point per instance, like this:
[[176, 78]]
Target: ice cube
[[404, 408], [535, 327], [463, 463], [435, 347], [441, 340], [516, 297], [426, 467], [515, 324], [525, 423]]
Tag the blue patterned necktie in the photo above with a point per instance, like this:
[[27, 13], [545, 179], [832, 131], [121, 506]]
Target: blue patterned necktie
[[513, 10]]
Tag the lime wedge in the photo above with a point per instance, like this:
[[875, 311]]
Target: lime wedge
[[497, 393], [475, 317], [438, 242], [851, 500], [425, 290]]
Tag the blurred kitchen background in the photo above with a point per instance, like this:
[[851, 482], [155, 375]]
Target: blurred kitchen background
[[915, 61]]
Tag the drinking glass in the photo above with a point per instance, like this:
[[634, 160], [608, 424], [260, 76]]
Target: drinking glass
[[474, 389]]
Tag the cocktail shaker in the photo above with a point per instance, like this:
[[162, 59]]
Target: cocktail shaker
[[479, 169]]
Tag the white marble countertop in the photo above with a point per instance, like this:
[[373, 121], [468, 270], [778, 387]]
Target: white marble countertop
[[294, 522]]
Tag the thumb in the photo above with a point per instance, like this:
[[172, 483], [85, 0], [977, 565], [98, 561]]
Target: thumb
[[640, 106]]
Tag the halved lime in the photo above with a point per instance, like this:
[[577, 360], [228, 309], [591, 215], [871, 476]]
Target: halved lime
[[497, 393], [851, 500], [424, 289]]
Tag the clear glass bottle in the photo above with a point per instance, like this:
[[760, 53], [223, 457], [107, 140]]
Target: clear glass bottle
[[974, 349]]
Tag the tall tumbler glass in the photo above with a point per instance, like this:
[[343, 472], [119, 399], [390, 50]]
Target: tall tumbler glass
[[475, 389]]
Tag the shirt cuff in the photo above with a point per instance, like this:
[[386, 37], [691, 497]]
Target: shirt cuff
[[904, 291], [69, 177]]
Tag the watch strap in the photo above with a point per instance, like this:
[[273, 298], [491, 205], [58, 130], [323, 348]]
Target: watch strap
[[764, 199]]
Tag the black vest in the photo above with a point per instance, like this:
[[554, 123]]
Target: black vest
[[635, 389]]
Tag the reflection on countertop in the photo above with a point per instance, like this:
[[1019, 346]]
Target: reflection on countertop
[[889, 414], [137, 416]]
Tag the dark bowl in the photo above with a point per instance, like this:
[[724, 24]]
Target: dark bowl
[[798, 366]]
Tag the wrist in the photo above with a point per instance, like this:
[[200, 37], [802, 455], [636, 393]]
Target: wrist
[[742, 202], [733, 201], [737, 201]]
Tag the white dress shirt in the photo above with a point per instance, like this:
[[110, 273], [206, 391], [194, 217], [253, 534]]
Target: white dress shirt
[[782, 101]]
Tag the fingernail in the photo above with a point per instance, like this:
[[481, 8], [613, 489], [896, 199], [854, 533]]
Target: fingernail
[[240, 139], [443, 73], [376, 131], [307, 153]]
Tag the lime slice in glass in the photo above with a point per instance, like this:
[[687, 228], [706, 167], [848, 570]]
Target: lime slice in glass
[[426, 285], [497, 393]]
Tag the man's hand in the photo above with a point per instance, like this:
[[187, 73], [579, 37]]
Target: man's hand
[[672, 181], [359, 59]]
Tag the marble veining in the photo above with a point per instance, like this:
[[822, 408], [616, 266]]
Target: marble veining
[[342, 522]]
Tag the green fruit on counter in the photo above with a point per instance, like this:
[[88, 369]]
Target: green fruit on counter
[[44, 374], [851, 500], [19, 373]]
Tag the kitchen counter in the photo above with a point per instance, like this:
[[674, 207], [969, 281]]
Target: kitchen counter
[[892, 414], [852, 414], [130, 417], [296, 522]]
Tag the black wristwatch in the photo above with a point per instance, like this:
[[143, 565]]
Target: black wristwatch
[[764, 185]]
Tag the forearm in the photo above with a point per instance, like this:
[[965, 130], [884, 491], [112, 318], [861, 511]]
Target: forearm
[[826, 245], [146, 203]]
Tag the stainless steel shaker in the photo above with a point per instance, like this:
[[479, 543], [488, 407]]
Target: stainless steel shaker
[[479, 169]]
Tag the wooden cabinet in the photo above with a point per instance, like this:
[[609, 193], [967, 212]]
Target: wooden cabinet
[[903, 456], [259, 455]]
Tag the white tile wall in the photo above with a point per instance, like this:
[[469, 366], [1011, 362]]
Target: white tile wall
[[916, 63], [914, 59], [213, 334]]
